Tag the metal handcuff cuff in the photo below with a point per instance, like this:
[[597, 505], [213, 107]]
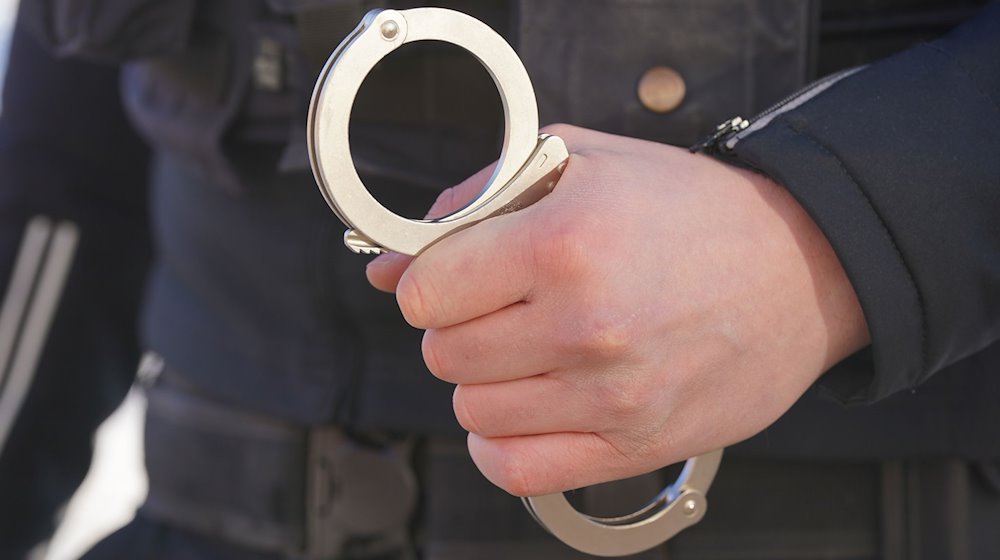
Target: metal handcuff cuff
[[529, 166]]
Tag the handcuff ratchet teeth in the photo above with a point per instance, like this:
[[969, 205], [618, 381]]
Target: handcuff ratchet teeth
[[528, 168]]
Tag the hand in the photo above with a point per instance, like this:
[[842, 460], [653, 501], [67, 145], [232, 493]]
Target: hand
[[657, 305]]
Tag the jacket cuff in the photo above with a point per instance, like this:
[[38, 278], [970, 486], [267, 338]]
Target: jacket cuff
[[897, 164], [838, 203]]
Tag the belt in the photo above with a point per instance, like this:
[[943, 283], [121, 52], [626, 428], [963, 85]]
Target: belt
[[316, 493], [760, 509], [326, 493]]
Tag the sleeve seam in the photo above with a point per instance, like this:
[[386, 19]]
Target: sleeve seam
[[958, 63], [885, 230]]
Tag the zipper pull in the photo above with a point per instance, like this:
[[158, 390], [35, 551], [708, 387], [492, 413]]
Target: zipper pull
[[713, 142]]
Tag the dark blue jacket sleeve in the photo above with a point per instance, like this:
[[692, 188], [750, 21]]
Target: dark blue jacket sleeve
[[899, 165], [67, 156]]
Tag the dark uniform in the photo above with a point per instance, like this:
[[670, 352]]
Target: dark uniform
[[291, 414]]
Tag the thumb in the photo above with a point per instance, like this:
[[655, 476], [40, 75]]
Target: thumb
[[384, 272]]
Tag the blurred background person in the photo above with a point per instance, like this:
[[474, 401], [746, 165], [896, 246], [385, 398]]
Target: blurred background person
[[75, 248]]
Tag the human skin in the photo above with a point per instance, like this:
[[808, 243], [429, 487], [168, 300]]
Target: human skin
[[655, 306]]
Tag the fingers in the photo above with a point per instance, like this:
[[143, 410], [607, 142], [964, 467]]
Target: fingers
[[385, 270], [498, 346], [511, 408], [456, 197], [475, 272], [542, 464]]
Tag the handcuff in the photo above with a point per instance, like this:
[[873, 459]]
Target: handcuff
[[529, 167]]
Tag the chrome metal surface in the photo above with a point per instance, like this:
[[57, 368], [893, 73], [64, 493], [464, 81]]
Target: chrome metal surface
[[678, 507], [524, 155], [529, 167]]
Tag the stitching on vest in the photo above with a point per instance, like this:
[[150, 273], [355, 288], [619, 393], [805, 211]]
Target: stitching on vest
[[892, 242]]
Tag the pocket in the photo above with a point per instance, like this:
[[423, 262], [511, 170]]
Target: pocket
[[114, 30], [586, 58], [185, 103]]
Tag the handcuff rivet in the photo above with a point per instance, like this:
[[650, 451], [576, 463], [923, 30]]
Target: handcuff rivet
[[690, 507], [389, 30]]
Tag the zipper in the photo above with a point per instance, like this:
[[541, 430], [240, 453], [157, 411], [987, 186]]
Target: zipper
[[733, 130]]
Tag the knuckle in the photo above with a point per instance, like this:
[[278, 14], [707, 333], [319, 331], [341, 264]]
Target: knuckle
[[418, 301], [514, 474], [464, 410], [411, 301], [435, 357], [561, 248], [624, 400], [605, 338]]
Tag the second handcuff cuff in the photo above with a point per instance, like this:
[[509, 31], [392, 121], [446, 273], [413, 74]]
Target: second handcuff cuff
[[529, 167]]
